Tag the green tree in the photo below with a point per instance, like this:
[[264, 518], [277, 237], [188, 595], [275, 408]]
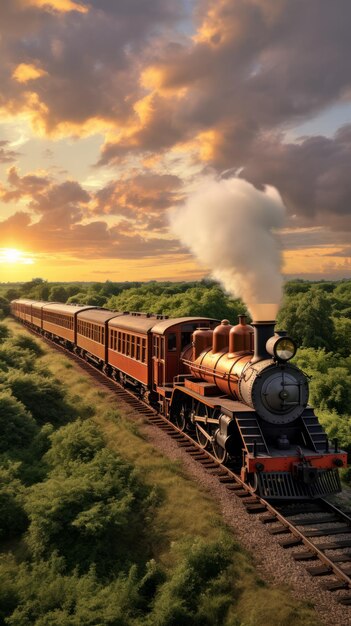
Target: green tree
[[332, 390], [12, 294], [77, 298], [307, 318], [4, 306], [58, 294], [342, 335], [27, 287]]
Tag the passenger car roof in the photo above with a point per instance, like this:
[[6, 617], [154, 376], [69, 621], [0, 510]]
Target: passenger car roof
[[66, 309], [97, 316], [163, 325]]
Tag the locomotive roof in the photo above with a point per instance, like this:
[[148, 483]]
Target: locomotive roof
[[163, 325], [97, 316], [66, 309]]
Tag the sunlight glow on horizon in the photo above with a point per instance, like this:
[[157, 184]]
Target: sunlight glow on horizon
[[14, 256]]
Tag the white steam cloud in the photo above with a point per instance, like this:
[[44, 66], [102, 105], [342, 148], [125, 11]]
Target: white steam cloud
[[228, 225]]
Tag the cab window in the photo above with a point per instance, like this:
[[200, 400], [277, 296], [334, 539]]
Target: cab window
[[186, 338], [172, 342]]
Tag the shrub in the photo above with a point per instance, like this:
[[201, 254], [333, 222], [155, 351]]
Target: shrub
[[186, 597], [27, 343], [13, 520], [17, 426], [43, 396], [4, 332], [75, 443], [95, 515], [44, 594], [12, 356]]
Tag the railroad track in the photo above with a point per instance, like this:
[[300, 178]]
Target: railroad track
[[320, 530]]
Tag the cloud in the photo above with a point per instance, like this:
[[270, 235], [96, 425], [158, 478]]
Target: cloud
[[25, 72], [313, 176], [142, 198], [86, 241], [59, 5], [6, 154], [58, 217], [253, 66], [73, 67], [25, 186], [219, 82]]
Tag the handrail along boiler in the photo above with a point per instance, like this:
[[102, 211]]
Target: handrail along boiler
[[232, 387]]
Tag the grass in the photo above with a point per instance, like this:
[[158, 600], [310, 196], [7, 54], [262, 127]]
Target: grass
[[187, 513]]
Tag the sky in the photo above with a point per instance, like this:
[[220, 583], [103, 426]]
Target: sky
[[112, 112]]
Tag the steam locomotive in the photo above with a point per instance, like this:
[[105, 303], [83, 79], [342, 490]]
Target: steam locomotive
[[232, 387]]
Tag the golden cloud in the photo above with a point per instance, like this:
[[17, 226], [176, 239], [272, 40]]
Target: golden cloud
[[64, 6], [26, 71]]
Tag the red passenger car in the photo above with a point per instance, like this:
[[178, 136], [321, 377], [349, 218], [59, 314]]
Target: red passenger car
[[22, 308], [92, 329], [129, 349], [60, 320]]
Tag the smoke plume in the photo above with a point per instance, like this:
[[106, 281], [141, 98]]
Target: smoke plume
[[228, 225]]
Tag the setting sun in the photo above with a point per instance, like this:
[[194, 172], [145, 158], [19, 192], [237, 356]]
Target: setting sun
[[11, 255]]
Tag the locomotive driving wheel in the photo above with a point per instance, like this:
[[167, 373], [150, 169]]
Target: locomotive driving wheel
[[202, 411], [181, 416]]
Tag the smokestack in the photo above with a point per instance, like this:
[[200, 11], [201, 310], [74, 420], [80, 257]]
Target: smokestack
[[262, 332]]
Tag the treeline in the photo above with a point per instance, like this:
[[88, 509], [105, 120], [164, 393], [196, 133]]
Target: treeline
[[174, 299]]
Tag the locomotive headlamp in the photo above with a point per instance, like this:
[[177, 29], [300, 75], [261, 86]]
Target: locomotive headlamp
[[284, 349], [281, 348]]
